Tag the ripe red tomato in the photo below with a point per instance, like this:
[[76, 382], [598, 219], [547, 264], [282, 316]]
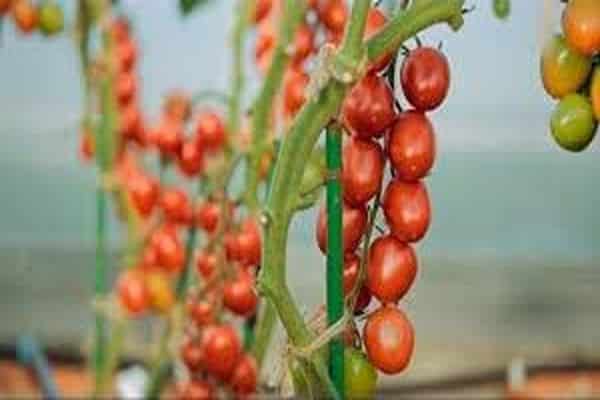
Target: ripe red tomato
[[239, 295], [333, 14], [351, 268], [190, 159], [120, 29], [425, 78], [581, 24], [202, 312], [391, 269], [221, 349], [407, 210], [126, 52], [303, 43], [149, 257], [369, 107], [249, 242], [196, 390], [389, 339], [210, 131], [294, 90], [208, 216], [191, 354], [5, 6], [130, 120], [232, 247], [178, 106], [132, 293], [206, 264], [376, 20], [262, 9], [25, 16], [362, 171], [169, 136], [126, 87], [410, 145], [176, 206], [169, 250], [245, 376], [354, 223], [144, 192]]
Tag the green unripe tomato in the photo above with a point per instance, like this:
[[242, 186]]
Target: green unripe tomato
[[51, 18], [572, 123], [563, 70], [360, 377], [501, 8]]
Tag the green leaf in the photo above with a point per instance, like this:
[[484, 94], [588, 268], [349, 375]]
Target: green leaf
[[187, 6]]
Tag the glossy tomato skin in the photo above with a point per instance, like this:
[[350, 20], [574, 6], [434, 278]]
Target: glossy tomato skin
[[391, 269], [206, 264], [563, 70], [210, 131], [410, 146], [208, 216], [196, 390], [132, 293], [581, 24], [5, 6], [354, 223], [245, 376], [239, 295], [176, 206], [249, 242], [360, 378], [368, 110], [350, 274], [144, 192], [362, 171], [333, 14], [191, 354], [202, 312], [233, 250], [178, 106], [407, 210], [169, 250], [389, 340], [425, 78], [221, 350], [169, 136], [190, 159], [572, 123]]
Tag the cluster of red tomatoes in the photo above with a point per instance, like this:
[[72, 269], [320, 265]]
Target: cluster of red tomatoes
[[571, 74], [27, 16], [370, 117]]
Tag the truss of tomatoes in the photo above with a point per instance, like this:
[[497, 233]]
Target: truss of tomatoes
[[46, 16], [570, 70]]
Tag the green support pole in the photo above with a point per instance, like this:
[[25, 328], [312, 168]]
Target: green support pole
[[335, 256]]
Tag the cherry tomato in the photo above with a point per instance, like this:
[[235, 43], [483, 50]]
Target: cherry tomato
[[5, 6], [572, 123], [362, 301], [208, 216], [303, 43], [239, 295], [206, 264], [25, 15], [389, 339], [369, 107], [51, 19], [191, 354], [144, 193], [169, 136], [176, 206], [221, 350], [261, 10], [294, 91], [233, 251], [126, 52], [581, 25], [362, 171], [333, 14], [249, 242], [563, 70], [245, 376], [595, 92], [376, 20], [126, 87], [196, 390], [351, 267], [354, 223], [177, 106], [425, 78], [169, 250], [410, 145], [149, 257], [120, 29], [160, 292], [360, 378], [391, 269], [501, 8], [130, 120], [190, 159], [407, 210], [210, 131], [132, 292], [202, 312]]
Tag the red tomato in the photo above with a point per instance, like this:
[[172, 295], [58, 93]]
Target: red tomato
[[190, 159], [239, 295], [130, 120], [389, 339], [169, 136], [133, 296], [407, 210], [249, 242], [376, 20], [410, 145], [232, 247], [391, 269], [245, 376], [210, 131], [294, 90], [362, 171], [25, 15], [262, 9], [176, 206], [351, 268], [126, 55], [221, 349], [354, 223], [126, 87], [369, 107], [191, 354], [333, 14], [170, 252], [206, 264], [178, 106], [149, 257], [303, 43], [120, 29], [202, 312], [208, 216], [425, 78], [196, 390], [144, 192]]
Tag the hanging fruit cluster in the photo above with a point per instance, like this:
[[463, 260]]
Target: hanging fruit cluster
[[570, 70], [380, 132], [47, 16]]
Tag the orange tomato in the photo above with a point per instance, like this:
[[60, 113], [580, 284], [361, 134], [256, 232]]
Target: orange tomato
[[581, 25], [25, 15]]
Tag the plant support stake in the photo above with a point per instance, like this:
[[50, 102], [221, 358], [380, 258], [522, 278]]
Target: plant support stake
[[335, 256]]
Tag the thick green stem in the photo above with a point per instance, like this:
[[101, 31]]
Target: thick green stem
[[263, 331], [335, 256], [300, 140]]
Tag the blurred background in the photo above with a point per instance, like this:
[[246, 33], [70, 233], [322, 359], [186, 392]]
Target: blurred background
[[509, 268]]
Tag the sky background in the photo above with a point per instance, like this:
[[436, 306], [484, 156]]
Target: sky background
[[500, 187]]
